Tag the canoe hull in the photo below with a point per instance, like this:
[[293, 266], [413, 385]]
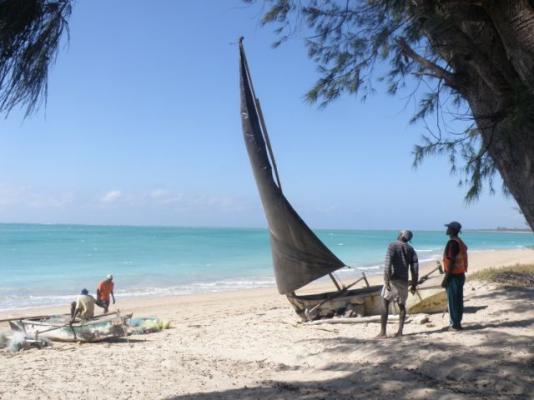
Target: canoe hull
[[360, 302], [85, 331], [364, 302]]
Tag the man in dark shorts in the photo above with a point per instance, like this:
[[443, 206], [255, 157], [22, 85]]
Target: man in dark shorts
[[455, 266], [400, 258], [104, 292]]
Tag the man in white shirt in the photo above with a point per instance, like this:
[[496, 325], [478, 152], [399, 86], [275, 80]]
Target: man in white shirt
[[84, 306]]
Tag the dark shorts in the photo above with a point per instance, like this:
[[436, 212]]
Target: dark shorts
[[102, 303]]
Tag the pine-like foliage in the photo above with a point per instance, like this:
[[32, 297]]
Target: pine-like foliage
[[455, 53], [30, 33]]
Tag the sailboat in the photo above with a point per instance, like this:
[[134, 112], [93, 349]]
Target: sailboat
[[299, 256]]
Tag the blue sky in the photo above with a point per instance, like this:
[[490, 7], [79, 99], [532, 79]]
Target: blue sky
[[142, 126]]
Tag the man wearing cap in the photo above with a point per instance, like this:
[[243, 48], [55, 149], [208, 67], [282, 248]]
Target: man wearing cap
[[84, 306], [400, 258], [455, 266], [103, 293]]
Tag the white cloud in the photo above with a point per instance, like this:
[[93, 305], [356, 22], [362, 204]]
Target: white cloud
[[111, 197], [191, 202], [25, 196], [156, 206], [158, 193], [164, 197]]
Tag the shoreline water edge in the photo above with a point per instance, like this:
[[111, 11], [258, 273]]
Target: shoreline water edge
[[156, 303], [46, 265]]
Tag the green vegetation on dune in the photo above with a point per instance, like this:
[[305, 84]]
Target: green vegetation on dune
[[516, 275]]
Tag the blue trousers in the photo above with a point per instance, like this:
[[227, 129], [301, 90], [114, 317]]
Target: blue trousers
[[455, 295]]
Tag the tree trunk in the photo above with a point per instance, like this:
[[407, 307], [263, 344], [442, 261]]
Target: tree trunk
[[515, 163], [493, 59], [512, 149], [511, 141], [514, 21]]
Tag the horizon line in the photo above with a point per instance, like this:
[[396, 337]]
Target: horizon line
[[495, 229]]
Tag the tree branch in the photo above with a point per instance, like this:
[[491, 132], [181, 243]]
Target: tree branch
[[437, 71]]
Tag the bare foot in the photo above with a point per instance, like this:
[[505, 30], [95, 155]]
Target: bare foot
[[381, 335]]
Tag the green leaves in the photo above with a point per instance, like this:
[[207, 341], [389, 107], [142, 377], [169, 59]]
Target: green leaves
[[30, 32], [347, 39]]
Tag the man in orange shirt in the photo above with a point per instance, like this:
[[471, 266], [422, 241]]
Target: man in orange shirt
[[103, 293], [455, 264]]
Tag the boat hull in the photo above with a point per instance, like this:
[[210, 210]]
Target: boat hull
[[59, 329], [365, 302]]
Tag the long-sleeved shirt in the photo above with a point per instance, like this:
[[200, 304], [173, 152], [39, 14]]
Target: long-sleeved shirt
[[400, 258], [85, 304]]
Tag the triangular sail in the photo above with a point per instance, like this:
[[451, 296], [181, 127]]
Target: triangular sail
[[299, 257]]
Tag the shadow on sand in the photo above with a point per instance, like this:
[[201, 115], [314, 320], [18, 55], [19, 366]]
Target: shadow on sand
[[418, 366]]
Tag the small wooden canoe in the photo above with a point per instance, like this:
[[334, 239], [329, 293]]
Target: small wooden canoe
[[429, 298], [359, 302], [59, 328]]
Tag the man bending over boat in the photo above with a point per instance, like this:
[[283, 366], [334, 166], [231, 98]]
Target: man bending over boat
[[103, 293], [400, 258], [84, 306]]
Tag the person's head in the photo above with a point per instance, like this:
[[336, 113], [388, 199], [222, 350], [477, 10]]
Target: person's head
[[109, 277], [85, 292], [405, 236], [453, 228]]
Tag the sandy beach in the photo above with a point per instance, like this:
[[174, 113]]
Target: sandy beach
[[251, 345]]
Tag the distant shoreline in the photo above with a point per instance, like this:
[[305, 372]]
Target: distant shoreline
[[261, 228], [518, 230]]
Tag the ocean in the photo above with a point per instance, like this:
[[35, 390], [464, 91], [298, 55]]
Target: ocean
[[43, 265]]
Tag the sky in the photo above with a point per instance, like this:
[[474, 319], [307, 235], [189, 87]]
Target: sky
[[142, 127]]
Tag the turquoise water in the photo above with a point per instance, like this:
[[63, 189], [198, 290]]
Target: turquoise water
[[48, 264]]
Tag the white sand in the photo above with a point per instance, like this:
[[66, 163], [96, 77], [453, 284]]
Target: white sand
[[250, 345]]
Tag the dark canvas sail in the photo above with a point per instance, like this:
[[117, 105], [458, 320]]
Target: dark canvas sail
[[299, 256]]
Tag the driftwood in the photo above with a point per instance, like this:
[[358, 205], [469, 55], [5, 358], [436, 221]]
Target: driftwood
[[352, 320], [416, 318]]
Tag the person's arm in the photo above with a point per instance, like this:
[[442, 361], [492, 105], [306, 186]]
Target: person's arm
[[76, 311], [113, 296], [97, 294], [414, 270], [387, 269]]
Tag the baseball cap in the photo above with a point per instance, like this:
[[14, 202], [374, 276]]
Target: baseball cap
[[454, 225]]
